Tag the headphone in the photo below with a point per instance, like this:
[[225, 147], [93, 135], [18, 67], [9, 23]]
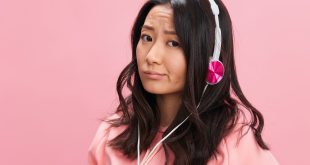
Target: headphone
[[214, 76]]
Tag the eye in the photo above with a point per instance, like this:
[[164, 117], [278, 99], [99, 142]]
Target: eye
[[146, 38], [173, 43]]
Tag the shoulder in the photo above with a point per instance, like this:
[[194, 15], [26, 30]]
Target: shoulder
[[104, 133], [239, 147]]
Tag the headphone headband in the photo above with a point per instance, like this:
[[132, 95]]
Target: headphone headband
[[218, 34]]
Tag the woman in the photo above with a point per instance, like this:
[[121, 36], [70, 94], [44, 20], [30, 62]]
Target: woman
[[185, 102]]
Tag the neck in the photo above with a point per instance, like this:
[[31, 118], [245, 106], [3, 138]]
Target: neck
[[168, 106]]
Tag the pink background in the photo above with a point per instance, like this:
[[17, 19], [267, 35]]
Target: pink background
[[59, 61]]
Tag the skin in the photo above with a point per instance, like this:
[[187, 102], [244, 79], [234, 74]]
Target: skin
[[159, 51]]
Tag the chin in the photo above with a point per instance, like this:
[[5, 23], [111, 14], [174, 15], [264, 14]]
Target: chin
[[159, 89], [156, 90]]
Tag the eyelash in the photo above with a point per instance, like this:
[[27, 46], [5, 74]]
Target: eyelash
[[177, 44], [144, 35]]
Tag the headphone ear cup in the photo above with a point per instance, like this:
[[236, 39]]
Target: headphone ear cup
[[215, 72]]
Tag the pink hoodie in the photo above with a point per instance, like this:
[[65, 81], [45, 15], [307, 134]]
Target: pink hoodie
[[231, 151]]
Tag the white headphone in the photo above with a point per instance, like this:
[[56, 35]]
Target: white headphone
[[214, 76]]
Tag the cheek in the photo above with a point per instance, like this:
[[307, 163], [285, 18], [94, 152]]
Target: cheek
[[139, 53], [177, 67]]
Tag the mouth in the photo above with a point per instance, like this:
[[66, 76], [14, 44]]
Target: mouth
[[153, 75]]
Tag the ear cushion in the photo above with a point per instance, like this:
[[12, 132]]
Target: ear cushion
[[215, 72]]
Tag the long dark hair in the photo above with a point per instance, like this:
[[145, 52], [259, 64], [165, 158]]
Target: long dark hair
[[196, 141]]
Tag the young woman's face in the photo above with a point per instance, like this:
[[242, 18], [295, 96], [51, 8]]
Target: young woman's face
[[161, 61]]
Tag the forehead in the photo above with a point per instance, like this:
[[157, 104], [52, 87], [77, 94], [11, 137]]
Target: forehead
[[160, 15]]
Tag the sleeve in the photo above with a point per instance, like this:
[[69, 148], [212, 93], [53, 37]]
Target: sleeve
[[241, 148], [96, 148]]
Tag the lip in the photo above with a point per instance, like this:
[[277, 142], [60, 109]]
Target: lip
[[153, 75]]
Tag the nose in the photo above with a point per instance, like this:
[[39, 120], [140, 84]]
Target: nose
[[155, 54]]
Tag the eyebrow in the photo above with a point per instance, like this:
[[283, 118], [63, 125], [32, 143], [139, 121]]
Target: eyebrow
[[152, 29]]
